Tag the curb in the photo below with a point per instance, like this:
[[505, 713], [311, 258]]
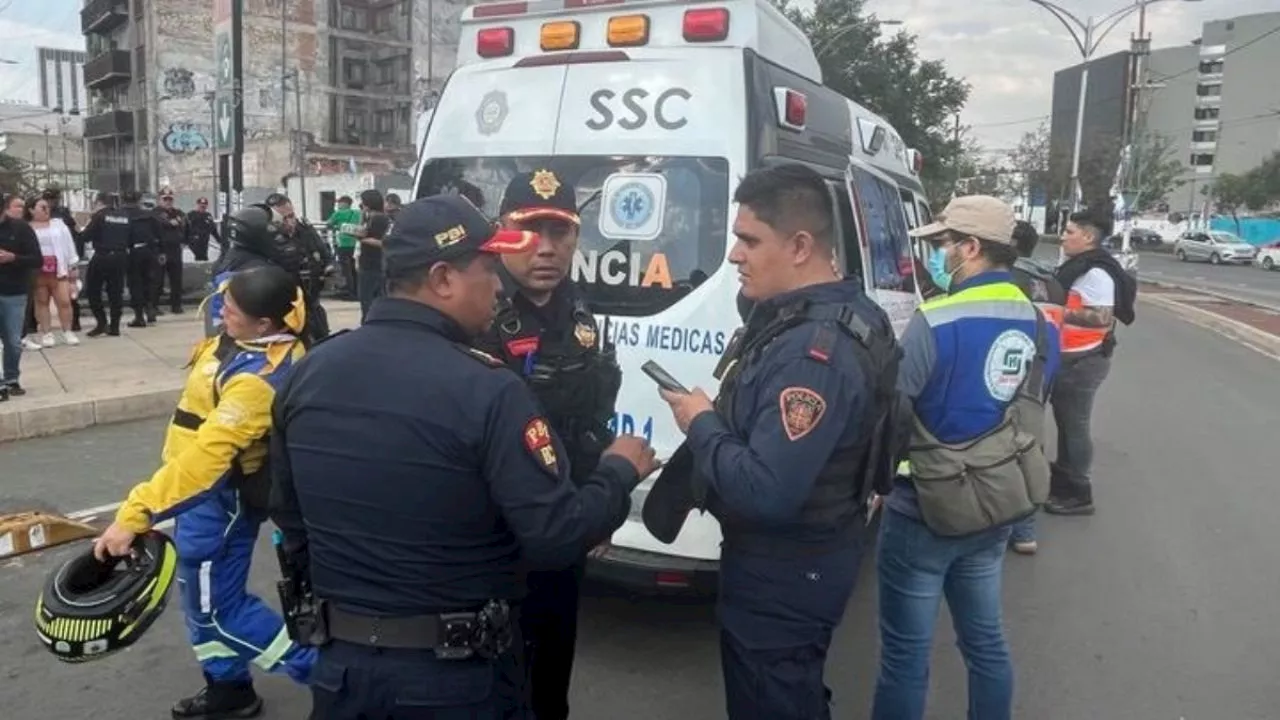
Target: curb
[[79, 414], [1259, 340], [1210, 293]]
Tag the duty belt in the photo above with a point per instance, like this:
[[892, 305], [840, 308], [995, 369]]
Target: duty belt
[[451, 635]]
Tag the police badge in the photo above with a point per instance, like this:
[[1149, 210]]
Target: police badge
[[545, 184], [585, 334]]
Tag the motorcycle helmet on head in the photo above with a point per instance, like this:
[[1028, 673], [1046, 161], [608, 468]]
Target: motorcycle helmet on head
[[90, 609]]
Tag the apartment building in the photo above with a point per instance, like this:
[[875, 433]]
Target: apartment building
[[361, 70], [61, 79], [1215, 100]]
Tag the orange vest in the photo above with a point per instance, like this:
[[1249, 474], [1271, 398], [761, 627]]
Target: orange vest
[[1076, 339]]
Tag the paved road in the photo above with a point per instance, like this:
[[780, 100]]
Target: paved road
[[1244, 282], [1160, 607]]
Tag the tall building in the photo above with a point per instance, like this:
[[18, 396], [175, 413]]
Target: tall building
[[1215, 101], [61, 79], [365, 69]]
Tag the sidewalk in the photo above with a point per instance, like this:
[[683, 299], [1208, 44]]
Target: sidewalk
[[114, 379]]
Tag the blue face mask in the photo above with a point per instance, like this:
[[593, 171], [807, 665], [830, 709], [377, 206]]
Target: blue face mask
[[937, 266]]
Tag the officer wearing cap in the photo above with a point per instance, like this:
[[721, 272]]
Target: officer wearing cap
[[418, 478], [173, 225], [546, 334], [200, 227], [786, 455]]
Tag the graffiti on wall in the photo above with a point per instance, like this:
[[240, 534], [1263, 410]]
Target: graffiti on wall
[[184, 138], [179, 83]]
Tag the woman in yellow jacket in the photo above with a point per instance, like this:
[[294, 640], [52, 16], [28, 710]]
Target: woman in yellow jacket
[[214, 481]]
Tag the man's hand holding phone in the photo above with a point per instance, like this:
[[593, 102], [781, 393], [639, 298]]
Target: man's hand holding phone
[[685, 404]]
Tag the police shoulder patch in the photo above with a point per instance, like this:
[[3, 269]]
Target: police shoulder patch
[[802, 409], [538, 442]]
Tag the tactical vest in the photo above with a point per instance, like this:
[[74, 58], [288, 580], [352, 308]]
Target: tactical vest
[[576, 379], [840, 491]]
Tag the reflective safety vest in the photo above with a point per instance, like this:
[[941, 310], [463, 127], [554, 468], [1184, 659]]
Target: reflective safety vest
[[1080, 340]]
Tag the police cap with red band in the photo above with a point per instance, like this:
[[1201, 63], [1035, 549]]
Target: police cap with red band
[[539, 195]]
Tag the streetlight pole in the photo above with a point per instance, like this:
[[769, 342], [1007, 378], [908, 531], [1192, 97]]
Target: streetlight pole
[[1088, 35]]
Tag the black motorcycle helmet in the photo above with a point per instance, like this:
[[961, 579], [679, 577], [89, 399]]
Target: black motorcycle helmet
[[253, 228], [90, 609]]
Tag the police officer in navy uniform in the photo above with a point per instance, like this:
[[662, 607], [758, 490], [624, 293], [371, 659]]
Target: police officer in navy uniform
[[787, 454], [416, 478], [546, 334]]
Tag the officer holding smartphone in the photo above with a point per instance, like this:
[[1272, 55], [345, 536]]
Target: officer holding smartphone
[[786, 455]]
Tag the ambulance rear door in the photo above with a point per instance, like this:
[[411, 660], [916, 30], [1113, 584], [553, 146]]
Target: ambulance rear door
[[887, 258]]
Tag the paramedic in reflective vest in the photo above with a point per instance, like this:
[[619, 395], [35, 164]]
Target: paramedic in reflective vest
[[421, 572], [965, 357], [1038, 283], [782, 449], [214, 480], [1099, 292], [545, 333]]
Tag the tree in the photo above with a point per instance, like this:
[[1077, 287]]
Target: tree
[[15, 176], [1029, 163], [1231, 193], [886, 75], [1155, 172]]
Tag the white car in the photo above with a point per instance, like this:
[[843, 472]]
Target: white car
[[1268, 257], [1215, 246]]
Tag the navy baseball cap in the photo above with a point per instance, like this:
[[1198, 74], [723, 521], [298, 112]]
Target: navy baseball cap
[[539, 194], [446, 227]]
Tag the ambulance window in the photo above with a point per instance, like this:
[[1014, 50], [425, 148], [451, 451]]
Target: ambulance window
[[639, 260], [847, 239], [926, 216], [886, 229]]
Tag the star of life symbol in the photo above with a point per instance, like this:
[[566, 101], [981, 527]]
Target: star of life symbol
[[491, 113], [633, 206]]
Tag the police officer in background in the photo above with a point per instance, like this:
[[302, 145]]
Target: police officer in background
[[142, 228], [200, 227], [173, 224], [787, 454], [316, 262], [254, 239], [419, 573], [108, 231], [547, 335]]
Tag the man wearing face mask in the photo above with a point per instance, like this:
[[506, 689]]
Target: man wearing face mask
[[546, 334], [977, 365], [786, 455]]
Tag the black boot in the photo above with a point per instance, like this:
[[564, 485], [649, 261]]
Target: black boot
[[219, 701], [101, 327], [138, 320], [114, 329]]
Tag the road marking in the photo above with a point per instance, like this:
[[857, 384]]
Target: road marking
[[92, 513]]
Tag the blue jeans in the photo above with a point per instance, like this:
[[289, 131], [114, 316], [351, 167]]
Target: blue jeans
[[13, 311], [916, 568], [1024, 530]]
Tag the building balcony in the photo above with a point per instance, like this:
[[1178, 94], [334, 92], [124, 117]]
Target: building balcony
[[107, 69], [103, 16], [113, 181], [109, 124]]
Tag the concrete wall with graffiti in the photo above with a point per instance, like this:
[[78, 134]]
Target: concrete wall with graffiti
[[180, 68]]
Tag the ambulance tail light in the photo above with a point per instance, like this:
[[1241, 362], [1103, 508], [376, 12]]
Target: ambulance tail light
[[628, 30], [917, 161], [495, 42], [706, 24], [671, 579], [792, 108], [562, 35]]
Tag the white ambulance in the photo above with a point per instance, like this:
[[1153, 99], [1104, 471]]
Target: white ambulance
[[653, 109]]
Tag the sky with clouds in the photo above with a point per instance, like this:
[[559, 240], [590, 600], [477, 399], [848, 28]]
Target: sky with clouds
[[1008, 50]]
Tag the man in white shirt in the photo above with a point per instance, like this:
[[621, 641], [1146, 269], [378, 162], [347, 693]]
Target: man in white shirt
[[1099, 292]]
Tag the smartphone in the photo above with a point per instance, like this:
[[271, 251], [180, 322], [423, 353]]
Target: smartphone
[[662, 377]]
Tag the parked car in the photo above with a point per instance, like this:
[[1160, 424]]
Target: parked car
[[1137, 237], [1215, 246], [1268, 257]]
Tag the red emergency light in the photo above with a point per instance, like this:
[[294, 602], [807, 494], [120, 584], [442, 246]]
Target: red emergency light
[[794, 108], [495, 42], [706, 24], [917, 161]]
